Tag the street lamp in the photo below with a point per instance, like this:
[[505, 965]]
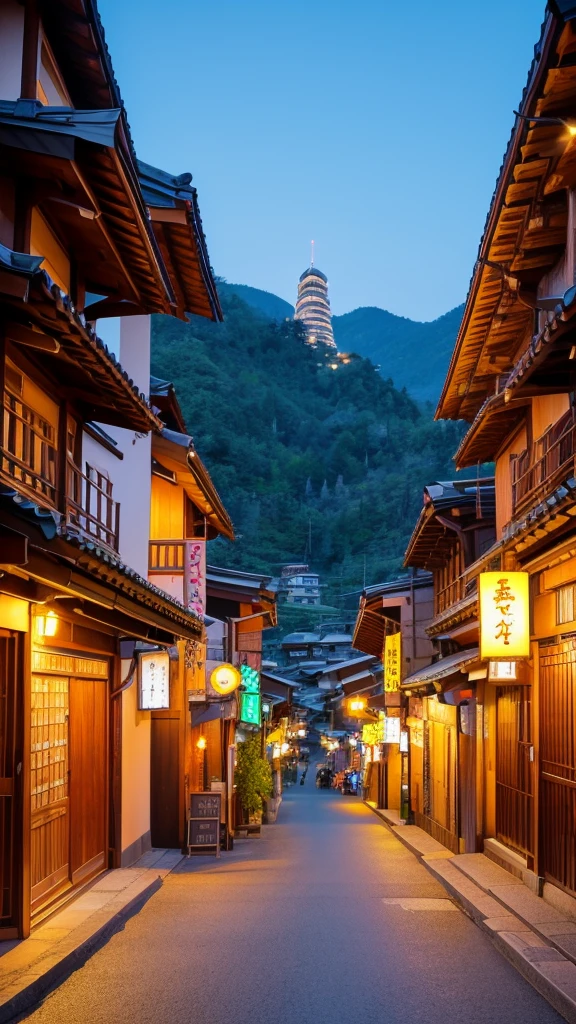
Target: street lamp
[[571, 128]]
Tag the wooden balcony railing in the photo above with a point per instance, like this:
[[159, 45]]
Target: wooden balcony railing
[[29, 449], [29, 456], [453, 592], [166, 556], [536, 470], [449, 595], [90, 506]]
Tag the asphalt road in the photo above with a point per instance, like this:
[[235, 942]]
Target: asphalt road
[[295, 928]]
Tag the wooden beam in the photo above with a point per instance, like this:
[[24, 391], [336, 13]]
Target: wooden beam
[[30, 48]]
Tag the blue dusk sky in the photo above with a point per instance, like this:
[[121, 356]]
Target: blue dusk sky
[[376, 128]]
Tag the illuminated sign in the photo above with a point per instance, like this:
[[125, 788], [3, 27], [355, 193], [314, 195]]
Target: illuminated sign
[[504, 615], [505, 670], [392, 662], [373, 732], [392, 730], [225, 679], [250, 703], [154, 680]]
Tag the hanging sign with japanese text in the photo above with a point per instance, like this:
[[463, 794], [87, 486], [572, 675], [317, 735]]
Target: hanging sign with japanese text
[[504, 615], [392, 662], [195, 573], [154, 680]]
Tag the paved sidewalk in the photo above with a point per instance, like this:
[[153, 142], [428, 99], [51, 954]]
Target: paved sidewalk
[[536, 937], [29, 968]]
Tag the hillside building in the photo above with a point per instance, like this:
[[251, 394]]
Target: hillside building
[[297, 585], [313, 308]]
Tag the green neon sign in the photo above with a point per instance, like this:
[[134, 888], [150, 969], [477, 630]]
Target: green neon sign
[[250, 704]]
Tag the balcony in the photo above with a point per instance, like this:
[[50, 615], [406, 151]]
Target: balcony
[[29, 455], [449, 595], [538, 470], [30, 460], [90, 506], [454, 604], [167, 556]]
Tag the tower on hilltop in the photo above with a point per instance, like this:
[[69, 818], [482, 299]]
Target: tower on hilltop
[[313, 306]]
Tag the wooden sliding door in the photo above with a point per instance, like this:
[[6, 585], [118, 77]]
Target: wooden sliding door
[[69, 789]]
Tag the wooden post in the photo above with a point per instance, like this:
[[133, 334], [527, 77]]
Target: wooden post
[[536, 866], [30, 48]]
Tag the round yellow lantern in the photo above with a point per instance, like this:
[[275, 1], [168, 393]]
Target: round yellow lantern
[[225, 679]]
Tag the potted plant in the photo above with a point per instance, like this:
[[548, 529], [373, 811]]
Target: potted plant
[[253, 778]]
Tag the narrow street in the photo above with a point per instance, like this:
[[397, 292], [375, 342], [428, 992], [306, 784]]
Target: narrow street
[[326, 917]]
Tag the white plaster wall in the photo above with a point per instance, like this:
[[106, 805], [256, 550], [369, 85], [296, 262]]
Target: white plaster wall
[[173, 585], [131, 475], [136, 734], [11, 36], [132, 485]]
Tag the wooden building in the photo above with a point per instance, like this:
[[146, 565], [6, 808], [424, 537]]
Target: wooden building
[[82, 255], [241, 607], [446, 698], [186, 512], [512, 376], [401, 606]]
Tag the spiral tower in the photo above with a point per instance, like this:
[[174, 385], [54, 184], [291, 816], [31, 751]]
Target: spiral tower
[[313, 307]]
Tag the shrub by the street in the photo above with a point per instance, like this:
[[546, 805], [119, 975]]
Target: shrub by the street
[[253, 775]]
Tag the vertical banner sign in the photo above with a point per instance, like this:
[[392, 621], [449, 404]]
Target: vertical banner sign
[[392, 662], [250, 702], [195, 569], [504, 615]]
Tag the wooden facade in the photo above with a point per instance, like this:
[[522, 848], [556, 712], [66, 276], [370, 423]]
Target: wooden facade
[[512, 377], [446, 718], [79, 245]]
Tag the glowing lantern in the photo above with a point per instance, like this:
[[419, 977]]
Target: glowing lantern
[[504, 615], [225, 679], [356, 705], [47, 625]]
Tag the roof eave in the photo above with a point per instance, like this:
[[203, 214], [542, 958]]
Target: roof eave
[[537, 71]]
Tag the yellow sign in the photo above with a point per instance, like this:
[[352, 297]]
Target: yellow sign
[[373, 732], [392, 662], [504, 615], [225, 679]]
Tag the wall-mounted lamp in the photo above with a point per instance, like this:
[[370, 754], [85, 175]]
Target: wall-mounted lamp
[[571, 128], [46, 625], [201, 743]]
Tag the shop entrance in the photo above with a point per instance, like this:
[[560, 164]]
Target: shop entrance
[[558, 764], [514, 768], [68, 773]]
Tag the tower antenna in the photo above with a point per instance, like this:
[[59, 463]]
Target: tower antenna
[[312, 253]]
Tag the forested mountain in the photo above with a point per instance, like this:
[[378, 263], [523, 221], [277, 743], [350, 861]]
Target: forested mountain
[[271, 306], [414, 354], [312, 463]]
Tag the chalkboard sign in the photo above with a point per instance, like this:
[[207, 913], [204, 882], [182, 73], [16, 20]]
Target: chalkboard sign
[[205, 805], [204, 822], [203, 831]]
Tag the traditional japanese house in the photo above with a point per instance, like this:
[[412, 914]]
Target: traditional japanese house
[[186, 512], [455, 528], [79, 258], [241, 607], [400, 607], [512, 376]]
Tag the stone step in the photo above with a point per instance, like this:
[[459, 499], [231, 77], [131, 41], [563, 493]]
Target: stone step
[[539, 915]]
